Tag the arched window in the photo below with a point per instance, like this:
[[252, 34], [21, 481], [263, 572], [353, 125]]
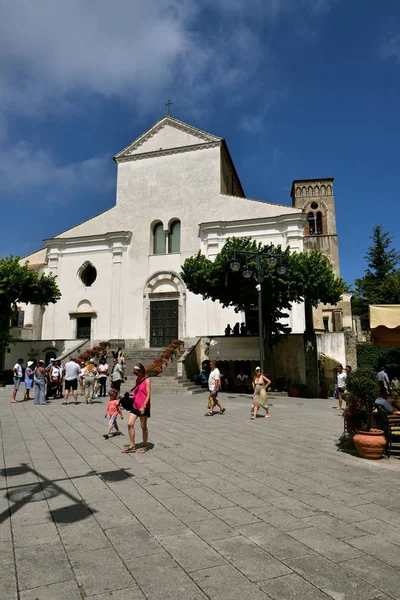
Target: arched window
[[174, 237], [311, 223], [158, 239], [88, 275], [319, 223], [315, 221]]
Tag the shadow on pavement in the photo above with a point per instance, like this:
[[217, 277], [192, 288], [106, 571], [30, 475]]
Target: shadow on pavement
[[21, 495]]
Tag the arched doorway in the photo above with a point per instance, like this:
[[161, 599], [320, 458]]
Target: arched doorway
[[164, 304]]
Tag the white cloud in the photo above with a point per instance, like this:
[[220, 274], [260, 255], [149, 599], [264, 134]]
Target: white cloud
[[24, 170], [390, 48], [52, 49]]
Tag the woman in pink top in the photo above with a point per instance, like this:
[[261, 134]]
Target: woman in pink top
[[140, 408]]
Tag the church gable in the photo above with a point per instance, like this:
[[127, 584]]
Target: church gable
[[167, 134]]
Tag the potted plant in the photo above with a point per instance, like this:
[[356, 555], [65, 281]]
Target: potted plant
[[361, 392], [297, 390]]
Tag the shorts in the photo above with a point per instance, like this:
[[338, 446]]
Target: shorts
[[17, 382], [136, 411], [340, 390], [71, 384], [117, 384], [214, 394], [112, 422]]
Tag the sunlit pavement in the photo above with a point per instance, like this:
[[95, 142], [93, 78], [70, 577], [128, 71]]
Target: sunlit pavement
[[220, 507]]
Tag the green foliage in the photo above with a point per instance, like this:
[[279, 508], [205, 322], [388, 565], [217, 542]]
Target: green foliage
[[307, 277], [375, 357], [361, 392], [381, 282], [20, 284]]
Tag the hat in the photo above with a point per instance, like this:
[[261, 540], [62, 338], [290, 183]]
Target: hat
[[20, 359], [113, 393], [41, 362], [52, 359], [258, 368], [91, 360], [30, 363]]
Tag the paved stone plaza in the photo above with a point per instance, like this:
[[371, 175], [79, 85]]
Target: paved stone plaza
[[222, 508]]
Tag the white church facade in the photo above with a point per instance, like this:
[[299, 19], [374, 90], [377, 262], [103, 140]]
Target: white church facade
[[177, 193], [119, 273]]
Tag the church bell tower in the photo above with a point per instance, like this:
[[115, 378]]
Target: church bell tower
[[315, 197]]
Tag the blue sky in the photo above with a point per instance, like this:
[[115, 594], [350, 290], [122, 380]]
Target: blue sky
[[298, 88]]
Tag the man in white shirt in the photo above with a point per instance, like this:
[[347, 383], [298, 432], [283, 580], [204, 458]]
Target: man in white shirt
[[341, 384], [214, 385], [71, 372], [383, 380], [17, 372]]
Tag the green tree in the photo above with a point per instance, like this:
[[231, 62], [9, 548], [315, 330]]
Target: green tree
[[20, 284], [381, 282], [308, 278]]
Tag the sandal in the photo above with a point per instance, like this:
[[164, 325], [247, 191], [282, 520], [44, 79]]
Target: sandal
[[209, 414], [221, 412], [252, 417], [128, 449], [142, 450]]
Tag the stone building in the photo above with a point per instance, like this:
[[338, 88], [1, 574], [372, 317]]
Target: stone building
[[177, 192]]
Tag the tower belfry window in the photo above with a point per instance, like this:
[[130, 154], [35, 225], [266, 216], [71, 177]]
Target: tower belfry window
[[315, 220]]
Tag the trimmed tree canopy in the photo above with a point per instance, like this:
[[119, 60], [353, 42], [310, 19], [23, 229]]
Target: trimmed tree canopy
[[308, 277], [19, 284]]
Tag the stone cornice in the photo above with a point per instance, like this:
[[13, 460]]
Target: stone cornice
[[298, 218], [112, 237], [166, 152]]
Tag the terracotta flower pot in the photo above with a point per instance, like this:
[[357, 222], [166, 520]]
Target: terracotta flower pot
[[370, 444]]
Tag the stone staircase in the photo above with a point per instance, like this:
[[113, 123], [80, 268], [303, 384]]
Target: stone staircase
[[166, 383]]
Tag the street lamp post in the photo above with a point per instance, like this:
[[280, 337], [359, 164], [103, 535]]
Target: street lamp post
[[259, 277]]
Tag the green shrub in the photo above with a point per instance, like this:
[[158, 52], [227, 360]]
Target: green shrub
[[361, 392], [375, 357]]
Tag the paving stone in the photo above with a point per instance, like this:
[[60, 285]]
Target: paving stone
[[54, 566], [250, 559], [7, 575], [130, 593], [245, 499], [275, 542], [235, 516], [186, 509], [325, 544], [332, 579], [190, 551], [132, 541], [278, 518], [292, 587], [212, 529], [100, 571], [294, 507], [377, 573], [162, 522], [226, 583], [384, 514], [84, 535], [161, 578], [381, 528], [334, 526], [207, 498], [30, 535], [379, 548], [66, 590]]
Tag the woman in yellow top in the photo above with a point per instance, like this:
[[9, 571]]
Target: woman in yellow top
[[260, 385]]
